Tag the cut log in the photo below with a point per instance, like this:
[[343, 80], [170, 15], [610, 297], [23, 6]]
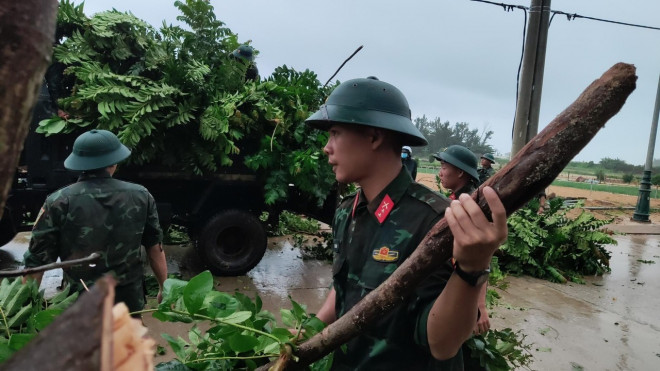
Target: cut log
[[80, 339], [528, 173], [28, 31], [90, 335]]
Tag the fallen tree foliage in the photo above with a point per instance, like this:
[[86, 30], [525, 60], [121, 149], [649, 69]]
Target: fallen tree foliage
[[91, 335]]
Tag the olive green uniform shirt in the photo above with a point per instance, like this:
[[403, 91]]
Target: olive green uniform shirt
[[97, 214], [370, 241], [485, 173]]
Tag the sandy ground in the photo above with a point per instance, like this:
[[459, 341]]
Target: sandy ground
[[591, 199]]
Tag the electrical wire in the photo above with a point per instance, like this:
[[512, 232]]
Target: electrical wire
[[569, 16]]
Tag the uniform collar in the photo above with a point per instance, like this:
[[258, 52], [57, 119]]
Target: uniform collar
[[381, 206], [96, 175], [467, 188]]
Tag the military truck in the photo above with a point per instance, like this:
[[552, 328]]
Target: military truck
[[221, 211]]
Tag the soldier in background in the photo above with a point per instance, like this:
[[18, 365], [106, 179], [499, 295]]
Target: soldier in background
[[245, 54], [459, 173], [380, 226], [486, 170], [408, 161], [100, 214]]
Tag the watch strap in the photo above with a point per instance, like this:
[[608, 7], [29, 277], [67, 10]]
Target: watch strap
[[472, 278]]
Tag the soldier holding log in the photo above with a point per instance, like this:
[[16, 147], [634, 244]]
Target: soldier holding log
[[377, 228]]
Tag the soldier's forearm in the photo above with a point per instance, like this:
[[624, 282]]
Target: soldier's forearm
[[158, 263]]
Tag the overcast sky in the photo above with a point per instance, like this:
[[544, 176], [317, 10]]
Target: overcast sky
[[453, 59]]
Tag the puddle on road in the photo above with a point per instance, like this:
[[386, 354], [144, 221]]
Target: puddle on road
[[609, 323], [281, 273]]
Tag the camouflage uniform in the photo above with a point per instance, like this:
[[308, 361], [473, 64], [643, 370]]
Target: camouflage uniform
[[370, 241], [468, 188], [485, 173], [98, 213]]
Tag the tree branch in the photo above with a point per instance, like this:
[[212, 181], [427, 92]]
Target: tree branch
[[65, 264]]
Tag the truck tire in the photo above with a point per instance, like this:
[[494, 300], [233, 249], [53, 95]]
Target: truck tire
[[232, 242]]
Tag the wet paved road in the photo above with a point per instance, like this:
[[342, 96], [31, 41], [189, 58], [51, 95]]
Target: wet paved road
[[610, 323]]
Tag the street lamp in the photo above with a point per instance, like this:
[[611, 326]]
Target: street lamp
[[644, 199]]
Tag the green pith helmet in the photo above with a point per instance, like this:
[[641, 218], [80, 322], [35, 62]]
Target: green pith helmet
[[368, 102], [488, 157], [244, 52], [460, 157], [96, 149]]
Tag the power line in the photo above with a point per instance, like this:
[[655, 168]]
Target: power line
[[569, 16]]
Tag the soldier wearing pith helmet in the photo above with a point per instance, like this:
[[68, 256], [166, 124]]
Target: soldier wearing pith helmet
[[486, 170], [380, 226], [459, 170], [245, 54], [100, 214]]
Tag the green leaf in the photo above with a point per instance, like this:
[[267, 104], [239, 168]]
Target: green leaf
[[45, 318], [53, 125], [242, 343], [167, 316], [272, 348], [179, 346], [298, 310], [219, 304], [173, 365], [172, 291], [284, 335], [237, 317], [288, 318], [20, 317], [5, 352], [66, 303], [18, 341], [196, 290]]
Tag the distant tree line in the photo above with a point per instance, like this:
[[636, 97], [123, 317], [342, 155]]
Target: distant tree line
[[616, 165], [442, 135]]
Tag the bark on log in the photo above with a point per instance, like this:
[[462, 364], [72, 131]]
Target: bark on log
[[28, 29], [80, 339], [528, 173]]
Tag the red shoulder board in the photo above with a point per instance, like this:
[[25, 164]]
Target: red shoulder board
[[357, 197], [384, 209]]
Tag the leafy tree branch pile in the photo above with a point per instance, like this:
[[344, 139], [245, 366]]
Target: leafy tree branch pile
[[179, 99], [241, 336], [554, 246], [24, 312]]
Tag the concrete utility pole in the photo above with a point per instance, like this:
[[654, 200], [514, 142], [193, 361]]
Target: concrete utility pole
[[528, 105], [644, 199]]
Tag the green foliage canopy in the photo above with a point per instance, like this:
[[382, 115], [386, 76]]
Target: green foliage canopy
[[180, 101], [441, 135]]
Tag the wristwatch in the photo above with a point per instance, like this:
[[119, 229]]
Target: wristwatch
[[472, 278]]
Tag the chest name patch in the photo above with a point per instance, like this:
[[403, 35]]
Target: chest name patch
[[384, 254], [384, 209]]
